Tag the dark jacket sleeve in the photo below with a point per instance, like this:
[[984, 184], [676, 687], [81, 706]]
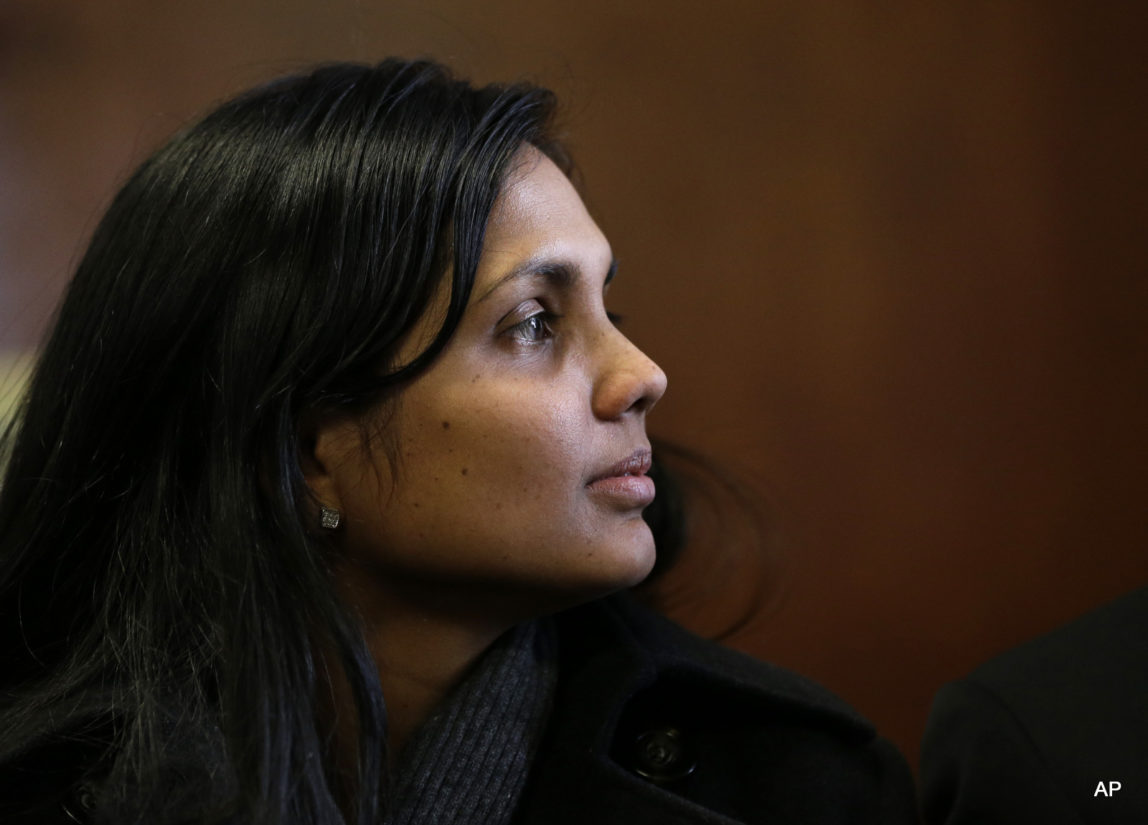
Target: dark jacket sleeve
[[979, 765]]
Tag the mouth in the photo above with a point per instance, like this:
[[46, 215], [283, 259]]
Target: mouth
[[625, 484], [635, 464]]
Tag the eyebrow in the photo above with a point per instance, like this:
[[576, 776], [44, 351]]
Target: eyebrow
[[559, 272]]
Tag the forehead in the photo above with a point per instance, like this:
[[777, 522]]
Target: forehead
[[537, 213]]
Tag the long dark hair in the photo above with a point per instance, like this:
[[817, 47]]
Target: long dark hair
[[162, 595]]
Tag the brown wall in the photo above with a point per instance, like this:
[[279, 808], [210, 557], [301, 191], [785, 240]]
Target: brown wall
[[892, 259]]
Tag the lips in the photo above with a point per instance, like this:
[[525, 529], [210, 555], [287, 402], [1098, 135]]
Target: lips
[[636, 464], [625, 486]]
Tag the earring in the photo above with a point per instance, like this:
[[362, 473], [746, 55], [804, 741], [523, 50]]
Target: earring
[[329, 518]]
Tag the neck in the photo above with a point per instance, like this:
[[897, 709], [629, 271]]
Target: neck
[[423, 642], [421, 658]]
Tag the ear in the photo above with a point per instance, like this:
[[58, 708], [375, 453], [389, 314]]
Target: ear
[[324, 445]]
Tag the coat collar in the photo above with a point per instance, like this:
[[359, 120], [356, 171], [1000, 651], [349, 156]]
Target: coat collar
[[645, 646], [613, 654]]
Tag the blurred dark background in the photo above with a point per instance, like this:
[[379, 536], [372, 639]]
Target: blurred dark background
[[892, 257]]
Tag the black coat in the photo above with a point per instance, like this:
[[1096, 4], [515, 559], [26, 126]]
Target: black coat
[[1030, 736], [654, 725], [651, 724]]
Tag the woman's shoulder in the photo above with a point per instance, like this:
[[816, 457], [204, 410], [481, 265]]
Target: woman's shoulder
[[668, 651], [79, 775], [653, 721], [54, 780]]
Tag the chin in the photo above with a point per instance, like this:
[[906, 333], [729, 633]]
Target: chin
[[632, 558], [615, 562]]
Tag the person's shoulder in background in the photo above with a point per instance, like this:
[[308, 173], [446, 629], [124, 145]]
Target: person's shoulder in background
[[1054, 731]]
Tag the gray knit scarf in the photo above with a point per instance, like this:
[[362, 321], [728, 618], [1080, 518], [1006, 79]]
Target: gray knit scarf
[[469, 761]]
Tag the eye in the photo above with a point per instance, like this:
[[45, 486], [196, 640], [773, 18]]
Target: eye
[[535, 329]]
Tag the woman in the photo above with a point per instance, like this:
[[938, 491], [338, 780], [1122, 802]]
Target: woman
[[333, 411]]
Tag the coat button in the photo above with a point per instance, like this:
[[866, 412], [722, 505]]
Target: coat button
[[662, 756], [80, 802]]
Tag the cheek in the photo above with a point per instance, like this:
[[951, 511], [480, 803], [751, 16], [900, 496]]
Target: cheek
[[491, 485], [486, 450], [514, 446]]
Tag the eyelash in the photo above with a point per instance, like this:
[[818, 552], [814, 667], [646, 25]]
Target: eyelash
[[523, 329]]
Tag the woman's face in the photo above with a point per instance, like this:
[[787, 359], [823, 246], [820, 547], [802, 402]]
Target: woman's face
[[513, 469]]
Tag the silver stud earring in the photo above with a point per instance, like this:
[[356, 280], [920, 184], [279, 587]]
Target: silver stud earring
[[329, 518]]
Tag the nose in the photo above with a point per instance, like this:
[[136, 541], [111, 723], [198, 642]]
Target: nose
[[628, 380]]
